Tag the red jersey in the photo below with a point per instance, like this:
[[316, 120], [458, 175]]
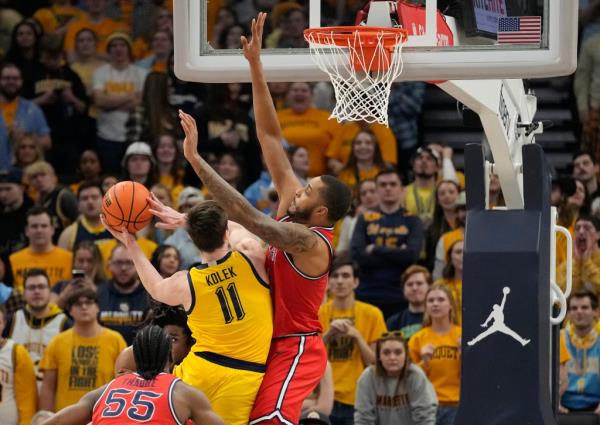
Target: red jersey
[[131, 399], [296, 296]]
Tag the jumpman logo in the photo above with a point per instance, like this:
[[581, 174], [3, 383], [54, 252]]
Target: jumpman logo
[[498, 326]]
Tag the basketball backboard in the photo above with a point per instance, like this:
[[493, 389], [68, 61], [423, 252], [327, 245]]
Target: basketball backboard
[[490, 39]]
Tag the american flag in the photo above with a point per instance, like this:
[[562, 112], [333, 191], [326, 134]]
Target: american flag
[[519, 30]]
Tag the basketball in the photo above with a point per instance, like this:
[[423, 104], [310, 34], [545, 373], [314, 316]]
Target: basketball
[[506, 290], [126, 204]]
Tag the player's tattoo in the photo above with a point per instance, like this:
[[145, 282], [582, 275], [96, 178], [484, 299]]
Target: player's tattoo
[[293, 238]]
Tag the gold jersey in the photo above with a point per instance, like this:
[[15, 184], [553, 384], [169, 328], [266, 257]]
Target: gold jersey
[[231, 312]]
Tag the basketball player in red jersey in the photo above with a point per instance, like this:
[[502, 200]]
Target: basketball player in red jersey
[[299, 255], [152, 395]]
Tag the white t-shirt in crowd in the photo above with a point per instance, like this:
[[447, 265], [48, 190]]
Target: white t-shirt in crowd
[[111, 124]]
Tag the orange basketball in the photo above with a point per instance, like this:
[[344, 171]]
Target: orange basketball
[[126, 204]]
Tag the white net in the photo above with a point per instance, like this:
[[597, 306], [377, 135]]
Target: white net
[[362, 68]]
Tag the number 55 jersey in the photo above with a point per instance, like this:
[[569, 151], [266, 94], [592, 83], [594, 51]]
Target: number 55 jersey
[[231, 319]]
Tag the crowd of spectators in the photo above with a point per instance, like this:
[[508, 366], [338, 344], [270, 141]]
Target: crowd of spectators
[[88, 97]]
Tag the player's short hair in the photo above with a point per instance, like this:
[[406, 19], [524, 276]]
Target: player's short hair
[[414, 269], [337, 197], [345, 260], [36, 271], [151, 351], [163, 315], [207, 224], [584, 294], [89, 184]]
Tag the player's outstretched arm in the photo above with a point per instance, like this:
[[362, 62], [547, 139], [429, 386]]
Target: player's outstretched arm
[[290, 237], [268, 129], [79, 413], [173, 290]]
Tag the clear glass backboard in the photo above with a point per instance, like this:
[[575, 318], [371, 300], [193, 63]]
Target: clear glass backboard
[[448, 39]]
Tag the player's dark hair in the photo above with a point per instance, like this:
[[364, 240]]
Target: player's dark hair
[[345, 260], [163, 315], [89, 184], [337, 197], [35, 272], [207, 224], [151, 351], [584, 294]]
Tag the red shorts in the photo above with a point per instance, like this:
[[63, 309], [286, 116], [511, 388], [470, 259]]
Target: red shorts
[[294, 368]]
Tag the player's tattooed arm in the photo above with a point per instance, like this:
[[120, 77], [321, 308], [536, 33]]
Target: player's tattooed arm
[[289, 237]]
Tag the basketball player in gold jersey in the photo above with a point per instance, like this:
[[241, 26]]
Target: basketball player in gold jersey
[[229, 309]]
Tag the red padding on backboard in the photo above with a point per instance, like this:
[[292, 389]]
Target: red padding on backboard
[[413, 18]]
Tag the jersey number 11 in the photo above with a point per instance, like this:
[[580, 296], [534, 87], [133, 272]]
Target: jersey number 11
[[235, 301]]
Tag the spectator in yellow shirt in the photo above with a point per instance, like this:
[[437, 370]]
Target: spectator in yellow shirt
[[98, 21], [338, 151], [80, 359], [17, 380], [58, 16], [351, 329], [304, 125], [365, 160], [436, 348], [41, 252]]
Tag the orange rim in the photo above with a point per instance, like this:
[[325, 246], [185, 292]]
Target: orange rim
[[369, 36]]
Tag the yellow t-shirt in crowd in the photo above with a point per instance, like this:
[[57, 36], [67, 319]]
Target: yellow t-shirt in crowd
[[82, 364], [443, 369], [419, 201], [174, 186], [348, 176], [106, 246], [564, 355], [455, 286], [53, 17], [341, 146], [57, 263], [343, 353], [102, 28], [312, 130]]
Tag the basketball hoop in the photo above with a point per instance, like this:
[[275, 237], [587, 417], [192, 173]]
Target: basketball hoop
[[362, 63]]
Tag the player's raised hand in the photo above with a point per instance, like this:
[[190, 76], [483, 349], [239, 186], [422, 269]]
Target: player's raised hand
[[190, 144], [121, 234], [169, 218], [252, 48]]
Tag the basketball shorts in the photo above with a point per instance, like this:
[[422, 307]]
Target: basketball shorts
[[294, 368], [226, 383]]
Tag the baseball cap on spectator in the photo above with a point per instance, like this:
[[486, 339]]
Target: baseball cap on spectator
[[190, 195], [138, 148], [119, 35], [12, 175], [314, 417], [425, 150]]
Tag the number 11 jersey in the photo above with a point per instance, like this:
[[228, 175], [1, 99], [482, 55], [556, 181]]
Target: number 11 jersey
[[231, 313]]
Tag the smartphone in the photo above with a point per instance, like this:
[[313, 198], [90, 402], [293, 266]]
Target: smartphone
[[78, 273]]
